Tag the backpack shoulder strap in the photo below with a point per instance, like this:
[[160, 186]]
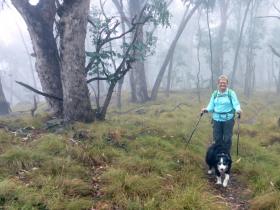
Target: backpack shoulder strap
[[230, 96], [215, 93]]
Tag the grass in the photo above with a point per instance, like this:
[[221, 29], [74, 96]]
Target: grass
[[137, 160]]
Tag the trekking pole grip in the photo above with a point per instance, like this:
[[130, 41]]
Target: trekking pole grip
[[239, 115]]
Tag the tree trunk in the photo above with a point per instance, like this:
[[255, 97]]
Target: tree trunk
[[198, 57], [218, 62], [39, 20], [278, 84], [250, 66], [138, 67], [132, 86], [171, 50], [120, 82], [73, 25], [4, 105], [168, 86], [239, 44], [249, 72], [102, 114], [210, 48]]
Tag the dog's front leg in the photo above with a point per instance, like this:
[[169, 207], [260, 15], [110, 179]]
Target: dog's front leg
[[225, 183], [209, 170], [219, 180], [218, 175]]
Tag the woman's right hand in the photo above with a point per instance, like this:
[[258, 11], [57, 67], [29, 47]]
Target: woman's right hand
[[204, 110]]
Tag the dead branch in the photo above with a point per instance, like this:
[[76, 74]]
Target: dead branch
[[275, 7], [274, 51], [90, 20], [38, 92], [269, 16], [96, 78]]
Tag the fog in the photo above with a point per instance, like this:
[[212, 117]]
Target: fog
[[261, 30]]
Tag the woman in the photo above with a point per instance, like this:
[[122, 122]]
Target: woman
[[223, 104]]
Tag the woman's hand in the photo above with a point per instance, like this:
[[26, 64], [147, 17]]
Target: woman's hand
[[239, 112], [203, 110]]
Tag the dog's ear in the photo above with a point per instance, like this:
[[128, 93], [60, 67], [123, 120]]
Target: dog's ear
[[228, 156], [218, 157]]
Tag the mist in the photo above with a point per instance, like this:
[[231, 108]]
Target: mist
[[252, 65]]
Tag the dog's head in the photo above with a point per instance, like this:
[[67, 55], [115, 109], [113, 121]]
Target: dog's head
[[223, 161]]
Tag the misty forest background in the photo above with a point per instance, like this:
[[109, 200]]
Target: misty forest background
[[135, 48], [97, 96]]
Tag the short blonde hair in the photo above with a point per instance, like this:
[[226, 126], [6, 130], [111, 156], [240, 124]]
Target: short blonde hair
[[223, 77]]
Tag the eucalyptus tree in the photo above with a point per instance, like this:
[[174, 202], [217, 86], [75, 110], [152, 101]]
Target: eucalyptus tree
[[138, 75], [105, 31], [274, 45], [60, 56], [254, 36], [138, 81], [218, 60], [239, 40], [4, 105], [191, 8]]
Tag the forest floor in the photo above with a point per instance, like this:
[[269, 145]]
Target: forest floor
[[137, 159]]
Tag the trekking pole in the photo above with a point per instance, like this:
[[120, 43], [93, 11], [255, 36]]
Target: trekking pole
[[238, 132], [196, 125]]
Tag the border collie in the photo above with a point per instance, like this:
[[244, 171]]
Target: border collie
[[218, 157]]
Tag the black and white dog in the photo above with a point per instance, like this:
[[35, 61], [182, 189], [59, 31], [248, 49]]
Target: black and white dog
[[218, 157]]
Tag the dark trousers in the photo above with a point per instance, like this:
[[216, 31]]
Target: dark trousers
[[222, 133]]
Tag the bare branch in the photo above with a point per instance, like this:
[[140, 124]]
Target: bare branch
[[269, 16], [38, 92], [96, 78], [90, 20], [121, 11], [274, 51], [277, 9]]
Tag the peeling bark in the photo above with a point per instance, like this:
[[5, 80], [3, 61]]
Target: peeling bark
[[73, 24], [39, 20], [138, 67]]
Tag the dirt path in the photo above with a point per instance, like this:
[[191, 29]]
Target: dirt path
[[235, 195]]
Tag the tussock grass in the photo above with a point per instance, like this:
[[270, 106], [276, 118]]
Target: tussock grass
[[266, 201], [139, 159]]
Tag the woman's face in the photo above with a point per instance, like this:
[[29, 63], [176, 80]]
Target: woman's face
[[222, 84]]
